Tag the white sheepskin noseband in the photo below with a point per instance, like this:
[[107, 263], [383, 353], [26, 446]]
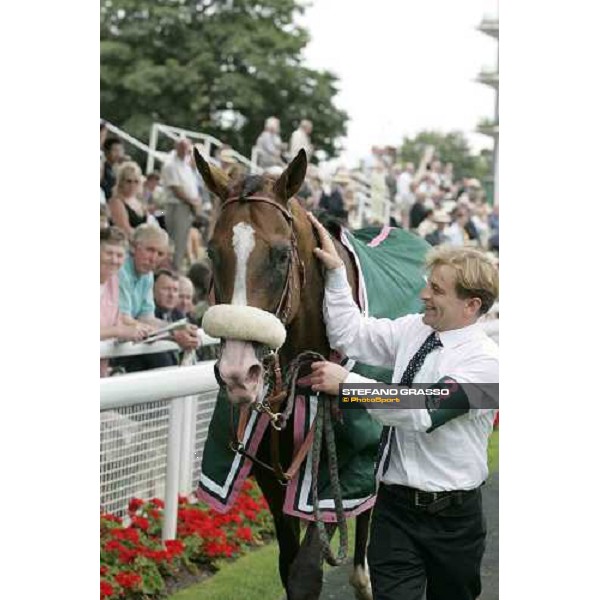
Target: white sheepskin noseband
[[244, 323]]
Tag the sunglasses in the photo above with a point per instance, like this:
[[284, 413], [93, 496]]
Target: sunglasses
[[132, 181]]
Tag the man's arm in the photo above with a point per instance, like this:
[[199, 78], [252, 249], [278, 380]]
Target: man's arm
[[179, 193], [171, 180], [471, 390], [370, 340], [439, 410], [367, 339]]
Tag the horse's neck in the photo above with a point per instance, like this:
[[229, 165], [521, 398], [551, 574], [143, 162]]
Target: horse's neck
[[307, 331]]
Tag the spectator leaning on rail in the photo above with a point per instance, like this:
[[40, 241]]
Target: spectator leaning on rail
[[166, 297], [182, 200], [185, 302], [136, 296], [427, 527], [113, 248]]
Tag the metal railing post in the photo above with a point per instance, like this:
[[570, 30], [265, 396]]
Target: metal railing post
[[153, 143], [188, 437], [176, 416]]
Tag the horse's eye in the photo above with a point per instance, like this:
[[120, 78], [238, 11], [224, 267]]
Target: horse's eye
[[280, 257]]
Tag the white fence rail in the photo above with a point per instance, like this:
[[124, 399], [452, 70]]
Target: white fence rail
[[152, 430], [115, 349], [208, 141]]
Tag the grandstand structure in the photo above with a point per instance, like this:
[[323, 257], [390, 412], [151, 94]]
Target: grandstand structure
[[490, 76], [210, 146]]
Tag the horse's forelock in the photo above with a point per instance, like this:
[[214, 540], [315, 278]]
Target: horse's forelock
[[249, 185]]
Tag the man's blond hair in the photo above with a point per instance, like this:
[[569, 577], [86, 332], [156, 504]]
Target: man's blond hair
[[476, 274], [146, 232]]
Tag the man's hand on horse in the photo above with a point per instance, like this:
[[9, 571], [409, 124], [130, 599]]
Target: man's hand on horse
[[327, 252], [327, 376]]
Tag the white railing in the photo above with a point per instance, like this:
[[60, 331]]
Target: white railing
[[362, 190], [207, 141], [123, 135], [152, 430], [112, 348]]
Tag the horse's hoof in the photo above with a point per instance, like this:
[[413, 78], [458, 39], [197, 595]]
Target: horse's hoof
[[361, 582]]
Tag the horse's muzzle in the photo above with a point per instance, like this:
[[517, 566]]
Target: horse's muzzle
[[240, 371]]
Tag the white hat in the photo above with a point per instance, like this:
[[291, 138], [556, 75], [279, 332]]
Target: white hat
[[440, 216], [275, 170]]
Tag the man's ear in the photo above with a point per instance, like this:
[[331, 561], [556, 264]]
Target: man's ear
[[216, 181], [290, 181]]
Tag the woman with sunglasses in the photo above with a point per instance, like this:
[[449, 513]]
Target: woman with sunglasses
[[126, 209]]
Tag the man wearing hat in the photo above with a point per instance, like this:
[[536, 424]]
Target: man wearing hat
[[438, 237], [332, 198]]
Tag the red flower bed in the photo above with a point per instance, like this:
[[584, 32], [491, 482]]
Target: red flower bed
[[133, 562]]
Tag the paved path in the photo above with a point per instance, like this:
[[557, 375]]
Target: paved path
[[336, 585]]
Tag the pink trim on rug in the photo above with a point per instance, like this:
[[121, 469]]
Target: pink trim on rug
[[327, 514], [261, 426], [385, 231], [299, 415]]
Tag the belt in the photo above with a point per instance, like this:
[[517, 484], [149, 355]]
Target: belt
[[432, 502]]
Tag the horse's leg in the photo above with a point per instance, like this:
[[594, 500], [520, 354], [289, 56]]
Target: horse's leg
[[306, 574], [287, 529], [359, 576]]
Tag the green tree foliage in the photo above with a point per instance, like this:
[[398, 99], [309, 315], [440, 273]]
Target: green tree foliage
[[216, 66], [449, 147]]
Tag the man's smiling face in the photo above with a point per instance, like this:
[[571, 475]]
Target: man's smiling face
[[444, 310]]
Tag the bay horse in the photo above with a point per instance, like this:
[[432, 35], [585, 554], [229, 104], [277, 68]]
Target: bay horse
[[262, 252]]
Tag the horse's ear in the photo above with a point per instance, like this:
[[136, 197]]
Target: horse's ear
[[216, 181], [290, 181]]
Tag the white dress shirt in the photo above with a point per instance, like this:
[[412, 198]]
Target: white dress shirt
[[451, 457], [177, 172]]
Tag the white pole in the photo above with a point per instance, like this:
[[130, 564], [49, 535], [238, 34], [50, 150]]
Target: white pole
[[153, 142], [188, 433], [188, 437], [176, 414]]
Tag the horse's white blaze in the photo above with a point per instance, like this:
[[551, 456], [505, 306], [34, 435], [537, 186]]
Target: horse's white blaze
[[243, 244]]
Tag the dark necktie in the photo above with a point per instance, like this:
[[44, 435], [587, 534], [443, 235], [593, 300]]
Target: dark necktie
[[416, 362]]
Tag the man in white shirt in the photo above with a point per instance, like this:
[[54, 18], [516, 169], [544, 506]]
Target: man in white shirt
[[427, 527], [182, 200], [269, 145], [301, 139]]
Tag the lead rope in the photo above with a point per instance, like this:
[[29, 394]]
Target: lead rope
[[323, 426]]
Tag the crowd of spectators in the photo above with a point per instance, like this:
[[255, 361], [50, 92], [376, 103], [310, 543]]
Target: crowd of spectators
[[154, 228]]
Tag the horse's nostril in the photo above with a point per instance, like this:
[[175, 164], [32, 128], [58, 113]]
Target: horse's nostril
[[254, 373]]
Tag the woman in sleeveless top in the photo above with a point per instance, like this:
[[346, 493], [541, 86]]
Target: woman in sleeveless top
[[126, 209], [113, 250]]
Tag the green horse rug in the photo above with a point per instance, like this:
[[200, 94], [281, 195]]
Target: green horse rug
[[390, 264]]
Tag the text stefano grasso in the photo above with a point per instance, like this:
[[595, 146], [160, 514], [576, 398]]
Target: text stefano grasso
[[401, 391]]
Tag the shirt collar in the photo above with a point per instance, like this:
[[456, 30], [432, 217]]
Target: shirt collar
[[456, 337], [130, 267]]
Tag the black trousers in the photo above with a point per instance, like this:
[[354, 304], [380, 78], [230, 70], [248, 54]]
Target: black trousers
[[412, 551]]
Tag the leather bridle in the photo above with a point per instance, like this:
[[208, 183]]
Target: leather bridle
[[294, 282]]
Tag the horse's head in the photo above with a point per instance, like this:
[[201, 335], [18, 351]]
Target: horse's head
[[257, 273]]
